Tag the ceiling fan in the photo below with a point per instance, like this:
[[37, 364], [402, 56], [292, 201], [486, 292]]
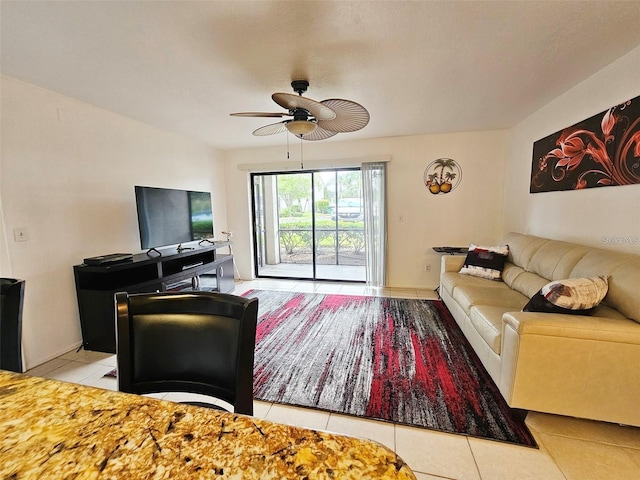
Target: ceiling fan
[[311, 120]]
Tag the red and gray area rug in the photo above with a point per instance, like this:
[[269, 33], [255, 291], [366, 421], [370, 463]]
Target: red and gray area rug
[[399, 360]]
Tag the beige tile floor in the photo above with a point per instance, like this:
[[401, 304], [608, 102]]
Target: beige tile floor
[[570, 448]]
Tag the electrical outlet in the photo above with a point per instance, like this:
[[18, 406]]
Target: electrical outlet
[[427, 268], [20, 234]]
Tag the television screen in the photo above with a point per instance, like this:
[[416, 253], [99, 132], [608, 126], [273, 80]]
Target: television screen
[[170, 217]]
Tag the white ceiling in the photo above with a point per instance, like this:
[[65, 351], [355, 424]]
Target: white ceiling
[[419, 67]]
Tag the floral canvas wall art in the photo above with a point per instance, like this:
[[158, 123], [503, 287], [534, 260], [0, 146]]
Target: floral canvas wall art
[[601, 151]]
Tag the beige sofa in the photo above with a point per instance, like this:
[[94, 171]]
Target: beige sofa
[[575, 365]]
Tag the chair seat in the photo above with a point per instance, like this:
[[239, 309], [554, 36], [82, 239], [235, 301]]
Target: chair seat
[[213, 406]]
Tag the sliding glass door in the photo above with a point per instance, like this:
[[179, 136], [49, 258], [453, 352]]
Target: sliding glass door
[[309, 225], [340, 248]]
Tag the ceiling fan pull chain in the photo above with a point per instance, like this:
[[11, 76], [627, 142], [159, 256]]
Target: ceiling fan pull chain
[[301, 161]]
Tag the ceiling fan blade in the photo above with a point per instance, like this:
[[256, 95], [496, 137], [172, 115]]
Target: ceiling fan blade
[[350, 116], [271, 129], [292, 101], [318, 134], [260, 114]]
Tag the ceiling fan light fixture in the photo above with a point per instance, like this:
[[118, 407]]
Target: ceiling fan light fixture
[[301, 127]]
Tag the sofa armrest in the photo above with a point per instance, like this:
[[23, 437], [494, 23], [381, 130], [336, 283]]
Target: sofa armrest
[[581, 366], [586, 327], [451, 263]]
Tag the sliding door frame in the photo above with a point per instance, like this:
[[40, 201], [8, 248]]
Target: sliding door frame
[[256, 233]]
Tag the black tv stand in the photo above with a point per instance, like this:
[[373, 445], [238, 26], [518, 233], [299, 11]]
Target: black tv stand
[[169, 271]]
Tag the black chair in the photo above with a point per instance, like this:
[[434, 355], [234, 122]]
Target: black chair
[[11, 300], [196, 342]]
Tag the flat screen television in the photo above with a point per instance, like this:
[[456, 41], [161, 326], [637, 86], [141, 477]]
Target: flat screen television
[[171, 217]]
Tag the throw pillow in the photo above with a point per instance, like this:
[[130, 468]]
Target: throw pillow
[[578, 296], [485, 262]]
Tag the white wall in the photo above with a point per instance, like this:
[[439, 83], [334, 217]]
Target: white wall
[[67, 176], [471, 212], [606, 217]]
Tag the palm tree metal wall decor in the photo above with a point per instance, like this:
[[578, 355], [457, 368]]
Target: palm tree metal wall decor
[[442, 176]]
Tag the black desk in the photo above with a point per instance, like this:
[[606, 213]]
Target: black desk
[[173, 270], [452, 250]]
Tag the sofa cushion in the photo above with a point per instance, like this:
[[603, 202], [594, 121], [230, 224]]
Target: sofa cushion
[[469, 296], [607, 312], [487, 320], [555, 259], [522, 248], [574, 296], [451, 280], [510, 272], [529, 283], [485, 262]]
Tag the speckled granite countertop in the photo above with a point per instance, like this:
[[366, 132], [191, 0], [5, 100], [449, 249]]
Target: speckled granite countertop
[[51, 429]]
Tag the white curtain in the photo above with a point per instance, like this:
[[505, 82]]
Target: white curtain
[[375, 221]]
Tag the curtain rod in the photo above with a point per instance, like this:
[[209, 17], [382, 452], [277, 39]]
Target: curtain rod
[[313, 164]]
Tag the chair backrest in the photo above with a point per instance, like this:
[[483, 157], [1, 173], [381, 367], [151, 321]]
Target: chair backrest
[[11, 300], [197, 342]]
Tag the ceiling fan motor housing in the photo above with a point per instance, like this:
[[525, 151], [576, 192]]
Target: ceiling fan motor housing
[[301, 114], [300, 86]]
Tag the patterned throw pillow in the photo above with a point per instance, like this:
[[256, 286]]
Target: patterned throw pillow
[[578, 296], [485, 262]]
